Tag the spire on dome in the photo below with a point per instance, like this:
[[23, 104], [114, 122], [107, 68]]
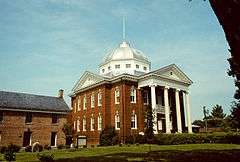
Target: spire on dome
[[124, 28]]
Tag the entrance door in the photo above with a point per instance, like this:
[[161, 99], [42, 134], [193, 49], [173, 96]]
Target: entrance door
[[53, 138], [27, 138]]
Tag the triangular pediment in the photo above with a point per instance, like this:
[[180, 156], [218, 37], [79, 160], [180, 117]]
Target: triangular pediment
[[173, 72], [87, 79]]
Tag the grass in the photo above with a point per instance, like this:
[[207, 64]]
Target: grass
[[103, 151]]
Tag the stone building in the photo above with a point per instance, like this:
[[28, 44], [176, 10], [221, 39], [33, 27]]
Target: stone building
[[27, 118], [119, 94]]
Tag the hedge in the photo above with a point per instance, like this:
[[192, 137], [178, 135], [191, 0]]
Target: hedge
[[175, 139]]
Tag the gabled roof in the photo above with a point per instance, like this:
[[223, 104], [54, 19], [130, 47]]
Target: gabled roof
[[30, 102], [171, 71], [88, 78]]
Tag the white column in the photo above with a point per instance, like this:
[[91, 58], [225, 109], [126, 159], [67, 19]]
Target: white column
[[179, 121], [187, 105], [153, 99], [167, 111]]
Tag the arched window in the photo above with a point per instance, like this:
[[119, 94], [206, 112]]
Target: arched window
[[99, 122], [84, 124], [117, 95], [79, 103], [92, 100], [134, 120], [99, 98], [92, 123], [84, 102], [117, 121], [133, 95], [78, 125]]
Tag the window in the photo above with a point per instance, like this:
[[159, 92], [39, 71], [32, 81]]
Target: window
[[117, 121], [133, 120], [74, 125], [79, 104], [0, 136], [117, 66], [92, 100], [145, 68], [84, 124], [133, 95], [99, 122], [84, 102], [99, 99], [103, 70], [78, 125], [54, 118], [92, 123], [137, 66], [109, 67], [75, 106], [1, 116], [28, 118], [128, 65], [117, 96], [54, 139], [145, 98]]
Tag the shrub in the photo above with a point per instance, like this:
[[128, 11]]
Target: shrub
[[45, 157], [47, 147], [109, 137], [9, 155], [3, 149], [28, 148], [37, 148], [61, 147], [14, 148], [175, 139]]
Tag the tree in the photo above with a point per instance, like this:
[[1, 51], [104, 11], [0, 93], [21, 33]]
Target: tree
[[217, 112], [199, 123], [216, 119], [68, 131], [235, 115], [149, 125]]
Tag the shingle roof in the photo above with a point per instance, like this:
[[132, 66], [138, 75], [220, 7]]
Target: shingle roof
[[26, 102]]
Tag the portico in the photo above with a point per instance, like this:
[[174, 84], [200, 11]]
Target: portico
[[169, 99]]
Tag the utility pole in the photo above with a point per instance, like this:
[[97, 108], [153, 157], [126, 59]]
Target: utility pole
[[205, 113]]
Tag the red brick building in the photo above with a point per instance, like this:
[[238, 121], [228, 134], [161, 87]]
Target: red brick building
[[118, 97], [27, 118]]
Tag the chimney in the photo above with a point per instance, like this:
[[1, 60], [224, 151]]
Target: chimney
[[60, 93]]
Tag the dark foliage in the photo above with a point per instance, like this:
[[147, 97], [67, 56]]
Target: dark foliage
[[47, 147], [37, 148], [28, 148], [10, 156], [45, 157], [3, 149], [68, 131], [149, 125], [235, 115], [109, 137], [61, 147]]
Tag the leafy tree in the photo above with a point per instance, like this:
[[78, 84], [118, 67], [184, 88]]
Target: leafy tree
[[235, 115], [149, 125], [68, 130], [198, 123]]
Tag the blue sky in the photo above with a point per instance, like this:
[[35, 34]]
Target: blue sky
[[46, 45]]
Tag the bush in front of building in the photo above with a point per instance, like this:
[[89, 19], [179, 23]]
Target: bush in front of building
[[45, 157], [28, 148], [3, 149], [136, 139], [176, 139], [47, 147], [108, 137], [61, 146]]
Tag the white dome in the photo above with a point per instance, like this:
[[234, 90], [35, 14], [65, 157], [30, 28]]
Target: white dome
[[125, 52], [124, 59]]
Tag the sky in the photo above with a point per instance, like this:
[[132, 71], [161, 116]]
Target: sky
[[47, 45]]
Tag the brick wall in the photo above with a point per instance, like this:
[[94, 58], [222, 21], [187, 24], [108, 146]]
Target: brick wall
[[108, 111], [13, 127]]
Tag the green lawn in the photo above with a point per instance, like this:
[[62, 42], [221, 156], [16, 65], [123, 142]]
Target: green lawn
[[100, 151]]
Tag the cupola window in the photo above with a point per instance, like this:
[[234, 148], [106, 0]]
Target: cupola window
[[128, 65], [137, 66], [144, 68], [103, 70], [117, 66]]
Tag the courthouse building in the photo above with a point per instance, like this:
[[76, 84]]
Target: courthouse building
[[118, 96]]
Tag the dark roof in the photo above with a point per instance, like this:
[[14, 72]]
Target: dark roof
[[31, 102]]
